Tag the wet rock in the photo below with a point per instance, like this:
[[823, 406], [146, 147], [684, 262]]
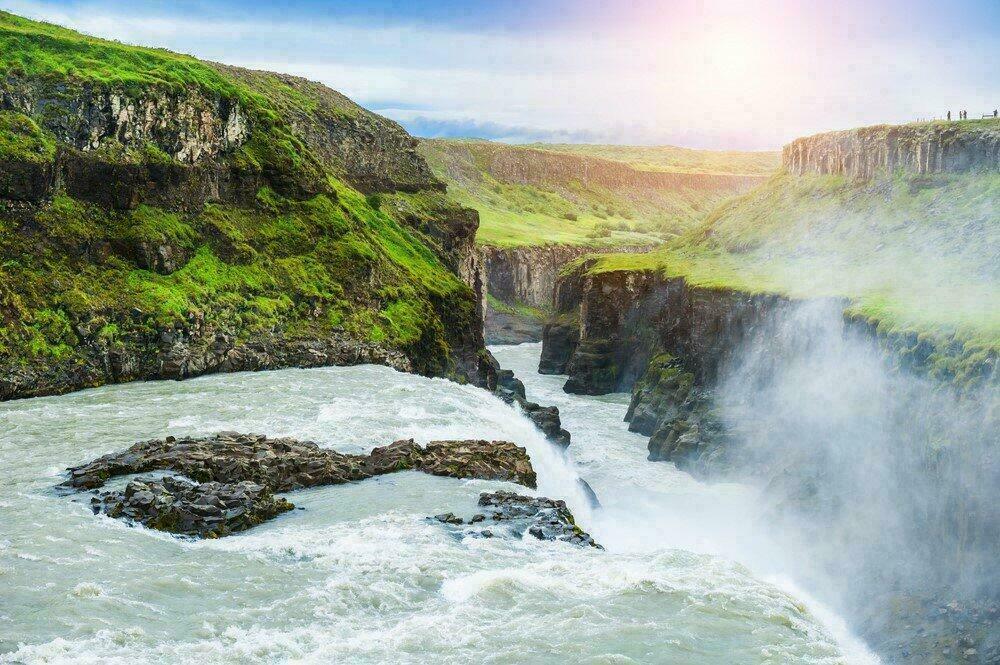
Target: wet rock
[[448, 518], [288, 464], [546, 418], [589, 493], [233, 476], [486, 460], [278, 464], [206, 510], [541, 517]]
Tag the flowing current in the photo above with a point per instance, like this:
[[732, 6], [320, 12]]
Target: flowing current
[[361, 575]]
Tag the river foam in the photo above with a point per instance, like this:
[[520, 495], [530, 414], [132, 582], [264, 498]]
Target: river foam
[[360, 575]]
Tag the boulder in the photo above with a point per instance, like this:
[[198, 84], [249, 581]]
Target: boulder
[[515, 515], [546, 418], [207, 510]]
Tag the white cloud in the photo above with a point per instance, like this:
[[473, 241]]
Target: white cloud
[[716, 82]]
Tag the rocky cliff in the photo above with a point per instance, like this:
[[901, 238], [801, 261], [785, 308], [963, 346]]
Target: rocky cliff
[[831, 415], [521, 284], [162, 217], [940, 147]]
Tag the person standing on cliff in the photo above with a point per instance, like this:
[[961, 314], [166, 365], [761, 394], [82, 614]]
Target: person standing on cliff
[[949, 116]]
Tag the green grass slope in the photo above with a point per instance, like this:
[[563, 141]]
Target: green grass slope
[[309, 257], [913, 253], [520, 203], [674, 159]]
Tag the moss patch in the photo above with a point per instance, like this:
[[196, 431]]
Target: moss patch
[[22, 140]]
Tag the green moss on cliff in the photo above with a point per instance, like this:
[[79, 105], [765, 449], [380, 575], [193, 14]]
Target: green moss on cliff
[[48, 53], [309, 258], [23, 140], [913, 254], [305, 269]]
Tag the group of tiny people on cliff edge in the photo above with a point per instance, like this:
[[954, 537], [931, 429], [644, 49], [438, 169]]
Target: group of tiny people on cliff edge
[[964, 115]]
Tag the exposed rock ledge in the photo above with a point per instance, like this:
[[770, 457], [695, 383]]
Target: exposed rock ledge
[[546, 418], [229, 479]]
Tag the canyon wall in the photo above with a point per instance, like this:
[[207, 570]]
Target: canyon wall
[[940, 147], [522, 283], [876, 473], [608, 326], [527, 275]]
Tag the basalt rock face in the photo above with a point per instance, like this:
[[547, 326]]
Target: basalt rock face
[[229, 220], [940, 147], [562, 331], [520, 283], [527, 275], [228, 480], [678, 415]]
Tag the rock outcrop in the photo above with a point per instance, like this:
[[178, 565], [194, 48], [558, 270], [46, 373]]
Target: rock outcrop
[[939, 147], [627, 317], [546, 418], [227, 481], [514, 515], [205, 510]]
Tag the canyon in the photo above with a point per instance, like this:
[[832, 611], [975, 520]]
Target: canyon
[[767, 386], [783, 387]]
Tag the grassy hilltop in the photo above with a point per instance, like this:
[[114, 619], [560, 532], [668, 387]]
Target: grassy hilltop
[[911, 252], [674, 159], [537, 195], [228, 202]]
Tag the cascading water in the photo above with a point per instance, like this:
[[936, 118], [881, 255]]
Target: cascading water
[[360, 575]]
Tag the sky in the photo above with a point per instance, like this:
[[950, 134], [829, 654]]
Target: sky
[[718, 74]]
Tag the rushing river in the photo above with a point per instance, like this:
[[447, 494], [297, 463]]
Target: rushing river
[[360, 575]]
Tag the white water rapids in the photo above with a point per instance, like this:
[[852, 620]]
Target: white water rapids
[[360, 575]]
